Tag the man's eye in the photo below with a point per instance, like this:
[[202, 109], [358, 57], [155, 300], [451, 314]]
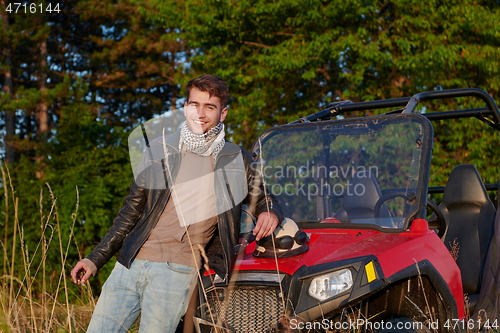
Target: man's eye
[[210, 108]]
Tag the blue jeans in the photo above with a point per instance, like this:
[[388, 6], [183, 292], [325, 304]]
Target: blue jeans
[[158, 291]]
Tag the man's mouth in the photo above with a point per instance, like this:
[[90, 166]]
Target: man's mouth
[[198, 122]]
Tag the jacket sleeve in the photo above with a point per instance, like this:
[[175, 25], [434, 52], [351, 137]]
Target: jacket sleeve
[[259, 199], [125, 221]]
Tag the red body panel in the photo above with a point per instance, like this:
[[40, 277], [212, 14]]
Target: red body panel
[[395, 251]]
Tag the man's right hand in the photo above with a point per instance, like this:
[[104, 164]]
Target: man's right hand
[[81, 273]]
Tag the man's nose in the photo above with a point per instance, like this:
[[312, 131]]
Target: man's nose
[[201, 112]]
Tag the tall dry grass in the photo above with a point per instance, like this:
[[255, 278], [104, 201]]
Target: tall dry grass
[[34, 298]]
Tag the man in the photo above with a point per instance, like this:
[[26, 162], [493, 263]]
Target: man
[[163, 228]]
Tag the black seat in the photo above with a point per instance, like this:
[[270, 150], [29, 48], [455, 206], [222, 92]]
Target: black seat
[[360, 204], [470, 216]]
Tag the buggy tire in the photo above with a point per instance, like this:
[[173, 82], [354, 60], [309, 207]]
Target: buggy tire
[[403, 325]]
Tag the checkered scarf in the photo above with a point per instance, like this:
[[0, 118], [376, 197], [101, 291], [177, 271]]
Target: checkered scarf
[[204, 144]]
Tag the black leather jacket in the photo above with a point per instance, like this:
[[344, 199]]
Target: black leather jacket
[[144, 205]]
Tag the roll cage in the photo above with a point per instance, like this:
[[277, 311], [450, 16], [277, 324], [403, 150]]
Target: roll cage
[[409, 104]]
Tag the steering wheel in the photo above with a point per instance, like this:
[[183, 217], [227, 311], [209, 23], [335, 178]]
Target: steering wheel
[[438, 223]]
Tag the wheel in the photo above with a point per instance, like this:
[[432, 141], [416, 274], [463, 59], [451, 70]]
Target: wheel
[[438, 223], [403, 325]]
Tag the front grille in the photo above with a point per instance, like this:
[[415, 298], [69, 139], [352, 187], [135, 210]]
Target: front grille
[[246, 309]]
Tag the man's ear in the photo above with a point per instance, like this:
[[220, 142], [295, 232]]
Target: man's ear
[[185, 108], [223, 114]]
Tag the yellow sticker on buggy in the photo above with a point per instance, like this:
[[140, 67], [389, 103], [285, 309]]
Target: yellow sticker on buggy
[[370, 272]]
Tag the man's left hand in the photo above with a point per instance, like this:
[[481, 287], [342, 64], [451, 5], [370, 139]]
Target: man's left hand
[[266, 223]]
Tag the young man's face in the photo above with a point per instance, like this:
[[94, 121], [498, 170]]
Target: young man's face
[[202, 111]]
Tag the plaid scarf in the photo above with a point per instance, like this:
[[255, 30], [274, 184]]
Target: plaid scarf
[[204, 144]]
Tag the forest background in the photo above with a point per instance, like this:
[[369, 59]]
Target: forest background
[[77, 76]]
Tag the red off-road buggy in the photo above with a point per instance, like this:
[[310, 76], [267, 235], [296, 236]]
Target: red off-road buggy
[[358, 251]]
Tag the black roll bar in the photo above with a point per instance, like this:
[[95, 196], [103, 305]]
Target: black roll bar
[[453, 93], [409, 104]]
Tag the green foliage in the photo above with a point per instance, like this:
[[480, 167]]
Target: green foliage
[[286, 59], [106, 69], [86, 174]]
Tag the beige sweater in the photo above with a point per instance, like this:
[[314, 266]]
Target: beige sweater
[[189, 219]]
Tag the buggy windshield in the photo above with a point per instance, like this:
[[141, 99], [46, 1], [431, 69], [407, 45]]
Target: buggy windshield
[[366, 171]]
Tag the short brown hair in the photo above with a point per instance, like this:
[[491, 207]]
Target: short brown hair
[[214, 85]]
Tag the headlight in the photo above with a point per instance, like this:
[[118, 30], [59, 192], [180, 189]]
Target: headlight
[[326, 286]]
